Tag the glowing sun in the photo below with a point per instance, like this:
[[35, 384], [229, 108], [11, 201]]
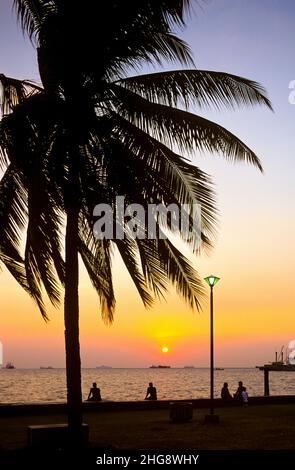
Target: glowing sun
[[165, 349]]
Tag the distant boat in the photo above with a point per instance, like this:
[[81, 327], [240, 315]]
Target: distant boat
[[47, 367], [218, 368], [160, 367], [189, 367], [103, 367], [8, 365]]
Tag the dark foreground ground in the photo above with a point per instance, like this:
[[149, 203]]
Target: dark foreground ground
[[264, 427]]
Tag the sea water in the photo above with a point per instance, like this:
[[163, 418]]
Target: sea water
[[49, 385]]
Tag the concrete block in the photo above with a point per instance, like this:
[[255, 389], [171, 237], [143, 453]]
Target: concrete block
[[53, 435], [181, 412]]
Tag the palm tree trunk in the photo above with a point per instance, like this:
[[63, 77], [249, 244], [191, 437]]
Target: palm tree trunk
[[71, 319]]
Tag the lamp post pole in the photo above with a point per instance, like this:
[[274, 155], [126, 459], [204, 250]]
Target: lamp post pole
[[211, 354], [211, 418]]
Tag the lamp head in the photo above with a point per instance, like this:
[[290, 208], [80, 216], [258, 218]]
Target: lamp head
[[211, 280]]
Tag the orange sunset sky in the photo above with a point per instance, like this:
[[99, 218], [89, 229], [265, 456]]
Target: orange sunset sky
[[254, 254]]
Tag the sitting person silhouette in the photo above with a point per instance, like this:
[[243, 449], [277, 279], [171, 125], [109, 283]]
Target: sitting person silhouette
[[238, 394], [94, 394], [225, 393], [151, 392]]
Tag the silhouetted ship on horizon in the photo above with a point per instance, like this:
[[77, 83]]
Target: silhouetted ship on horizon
[[8, 365], [280, 364], [160, 367]]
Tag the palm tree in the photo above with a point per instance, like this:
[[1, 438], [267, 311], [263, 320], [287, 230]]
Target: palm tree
[[94, 131]]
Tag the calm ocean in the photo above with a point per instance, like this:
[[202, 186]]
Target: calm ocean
[[49, 385]]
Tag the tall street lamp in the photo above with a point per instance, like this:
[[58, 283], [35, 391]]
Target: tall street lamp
[[211, 418]]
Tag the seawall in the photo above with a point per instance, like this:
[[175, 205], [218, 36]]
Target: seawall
[[22, 409]]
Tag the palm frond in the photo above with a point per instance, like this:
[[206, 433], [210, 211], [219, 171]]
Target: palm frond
[[42, 246], [152, 267], [175, 9], [124, 174], [181, 273], [187, 131], [31, 14], [162, 261], [166, 176], [15, 267], [13, 211], [140, 31], [128, 251], [201, 87], [13, 217], [13, 92], [169, 47], [143, 46], [96, 256], [33, 276]]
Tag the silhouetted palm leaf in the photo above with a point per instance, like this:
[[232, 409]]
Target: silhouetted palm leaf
[[97, 261], [201, 87], [13, 92], [129, 254], [188, 131]]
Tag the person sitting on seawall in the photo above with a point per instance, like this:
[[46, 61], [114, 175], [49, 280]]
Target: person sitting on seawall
[[151, 393], [225, 393], [244, 396], [238, 395], [94, 394]]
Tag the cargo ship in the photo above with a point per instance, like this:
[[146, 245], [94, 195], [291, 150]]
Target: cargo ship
[[279, 364], [8, 365], [160, 367]]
